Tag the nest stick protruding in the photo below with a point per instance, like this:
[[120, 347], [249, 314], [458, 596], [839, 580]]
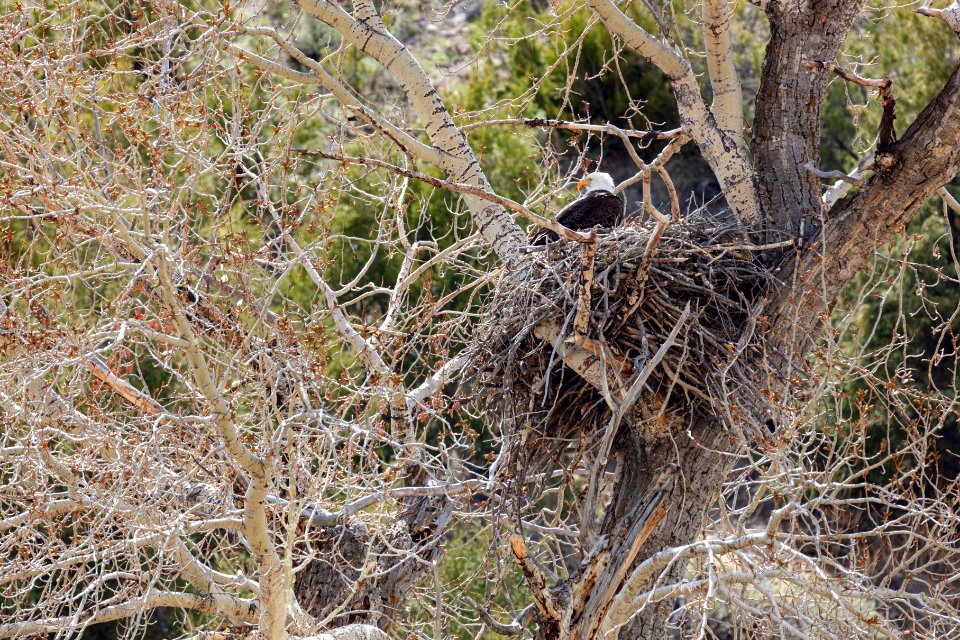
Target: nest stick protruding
[[586, 280]]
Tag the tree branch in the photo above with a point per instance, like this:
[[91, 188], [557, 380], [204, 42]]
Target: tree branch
[[323, 518], [923, 160], [547, 123], [352, 632], [127, 391], [457, 160], [727, 104], [230, 607], [950, 15], [843, 186], [459, 187], [840, 175], [725, 153], [514, 628], [538, 586]]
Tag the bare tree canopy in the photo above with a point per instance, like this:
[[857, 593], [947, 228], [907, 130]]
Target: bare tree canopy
[[279, 358]]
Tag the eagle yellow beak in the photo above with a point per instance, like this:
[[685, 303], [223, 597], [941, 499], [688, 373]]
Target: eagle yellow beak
[[581, 184]]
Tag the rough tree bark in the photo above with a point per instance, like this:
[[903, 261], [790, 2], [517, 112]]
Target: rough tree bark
[[789, 109], [925, 158]]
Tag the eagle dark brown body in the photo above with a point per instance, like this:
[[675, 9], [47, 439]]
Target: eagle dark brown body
[[594, 209]]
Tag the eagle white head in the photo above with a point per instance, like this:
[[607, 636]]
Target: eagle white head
[[596, 181]]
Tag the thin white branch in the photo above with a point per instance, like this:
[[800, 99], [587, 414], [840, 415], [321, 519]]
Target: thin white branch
[[201, 374], [725, 152], [350, 101], [457, 159], [435, 383], [323, 518], [548, 123], [236, 609], [727, 104], [843, 186]]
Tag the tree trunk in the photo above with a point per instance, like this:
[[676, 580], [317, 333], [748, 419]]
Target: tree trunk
[[703, 456], [786, 128]]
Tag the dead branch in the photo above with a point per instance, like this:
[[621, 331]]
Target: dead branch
[[885, 135], [124, 389], [514, 628], [840, 175], [950, 15], [849, 76], [538, 586]]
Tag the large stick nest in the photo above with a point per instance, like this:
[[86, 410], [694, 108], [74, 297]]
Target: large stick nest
[[715, 368]]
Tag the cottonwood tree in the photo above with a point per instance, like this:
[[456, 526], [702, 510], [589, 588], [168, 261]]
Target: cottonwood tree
[[224, 398]]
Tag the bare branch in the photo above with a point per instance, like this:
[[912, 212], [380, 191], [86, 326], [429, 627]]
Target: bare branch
[[235, 609], [857, 182], [352, 632], [123, 388], [842, 187], [950, 15], [515, 627], [548, 123], [460, 187], [726, 154], [849, 76], [538, 586], [727, 105]]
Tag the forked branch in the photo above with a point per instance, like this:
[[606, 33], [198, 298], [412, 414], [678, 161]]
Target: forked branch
[[885, 135]]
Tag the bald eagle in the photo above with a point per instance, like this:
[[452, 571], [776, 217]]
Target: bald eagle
[[597, 207]]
